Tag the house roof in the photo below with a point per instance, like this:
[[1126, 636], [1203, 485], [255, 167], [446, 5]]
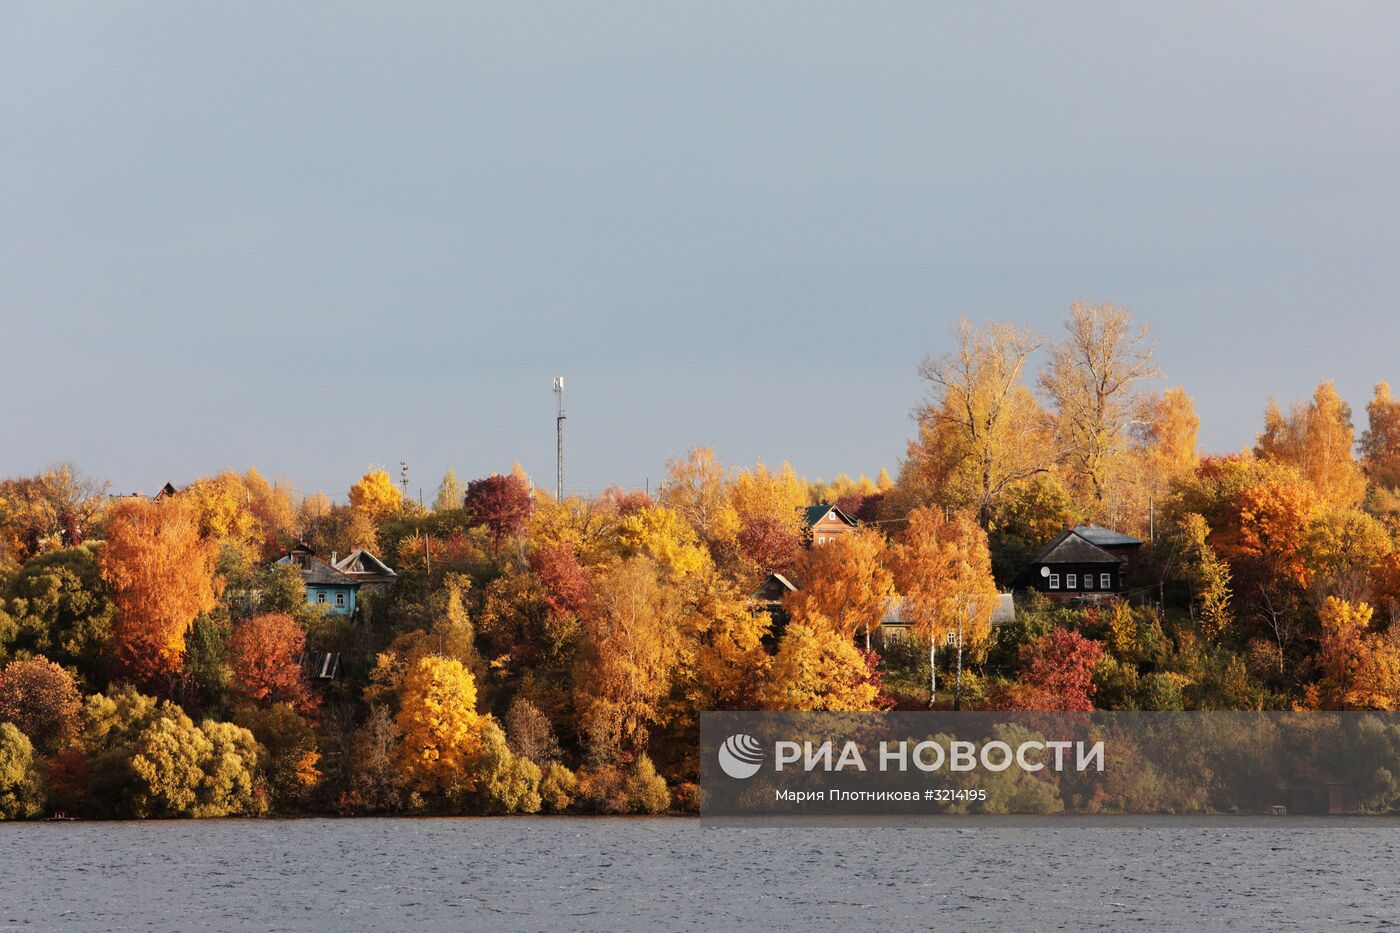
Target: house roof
[[773, 587], [1002, 613], [1105, 537], [362, 564], [815, 513], [1005, 610], [1072, 548], [316, 572]]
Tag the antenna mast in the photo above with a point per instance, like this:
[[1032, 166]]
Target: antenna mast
[[559, 438], [403, 477]]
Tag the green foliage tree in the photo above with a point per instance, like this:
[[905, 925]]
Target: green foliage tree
[[21, 793], [148, 759], [58, 607]]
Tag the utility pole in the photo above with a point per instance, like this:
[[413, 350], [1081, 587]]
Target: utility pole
[[559, 438]]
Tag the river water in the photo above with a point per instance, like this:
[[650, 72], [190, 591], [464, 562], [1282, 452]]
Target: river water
[[557, 873]]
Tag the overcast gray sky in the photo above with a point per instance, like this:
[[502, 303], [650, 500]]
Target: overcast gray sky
[[313, 237]]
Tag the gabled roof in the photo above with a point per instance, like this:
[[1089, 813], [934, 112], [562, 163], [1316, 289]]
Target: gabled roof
[[773, 587], [815, 513], [1071, 548], [1105, 537], [316, 572], [360, 562]]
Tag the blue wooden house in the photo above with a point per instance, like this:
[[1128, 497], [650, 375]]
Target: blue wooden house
[[325, 585]]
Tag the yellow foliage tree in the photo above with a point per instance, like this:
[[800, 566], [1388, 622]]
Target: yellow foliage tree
[[627, 658], [439, 723], [846, 582], [1360, 671], [697, 486], [1317, 437], [731, 663], [222, 504], [375, 495], [663, 536], [760, 493], [817, 668], [980, 429], [1091, 380]]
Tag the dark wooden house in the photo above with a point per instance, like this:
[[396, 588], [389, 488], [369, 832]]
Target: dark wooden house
[[1086, 562]]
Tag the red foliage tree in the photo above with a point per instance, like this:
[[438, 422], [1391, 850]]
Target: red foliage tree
[[1057, 673], [501, 503], [567, 587], [66, 776], [620, 501], [42, 700], [768, 541], [263, 654], [861, 507], [883, 701]]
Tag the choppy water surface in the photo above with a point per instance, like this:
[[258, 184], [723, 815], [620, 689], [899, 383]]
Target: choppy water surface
[[628, 874]]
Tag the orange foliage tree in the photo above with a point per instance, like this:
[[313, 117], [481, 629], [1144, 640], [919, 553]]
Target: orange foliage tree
[[160, 573], [846, 582], [263, 653], [943, 570], [42, 699]]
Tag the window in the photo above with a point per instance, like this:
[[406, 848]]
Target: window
[[1088, 581], [952, 639], [1071, 581], [1054, 581], [340, 600], [320, 596], [1105, 581]]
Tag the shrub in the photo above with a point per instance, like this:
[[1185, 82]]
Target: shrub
[[21, 795], [645, 789], [558, 788]]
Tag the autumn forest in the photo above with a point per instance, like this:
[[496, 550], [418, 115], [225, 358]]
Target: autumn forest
[[160, 656]]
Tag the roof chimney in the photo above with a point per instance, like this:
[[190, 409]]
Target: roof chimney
[[332, 558]]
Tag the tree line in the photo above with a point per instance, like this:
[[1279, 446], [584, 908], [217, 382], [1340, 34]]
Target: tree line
[[544, 655]]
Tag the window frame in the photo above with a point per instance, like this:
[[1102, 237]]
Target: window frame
[[1054, 579], [1071, 581], [1106, 581]]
